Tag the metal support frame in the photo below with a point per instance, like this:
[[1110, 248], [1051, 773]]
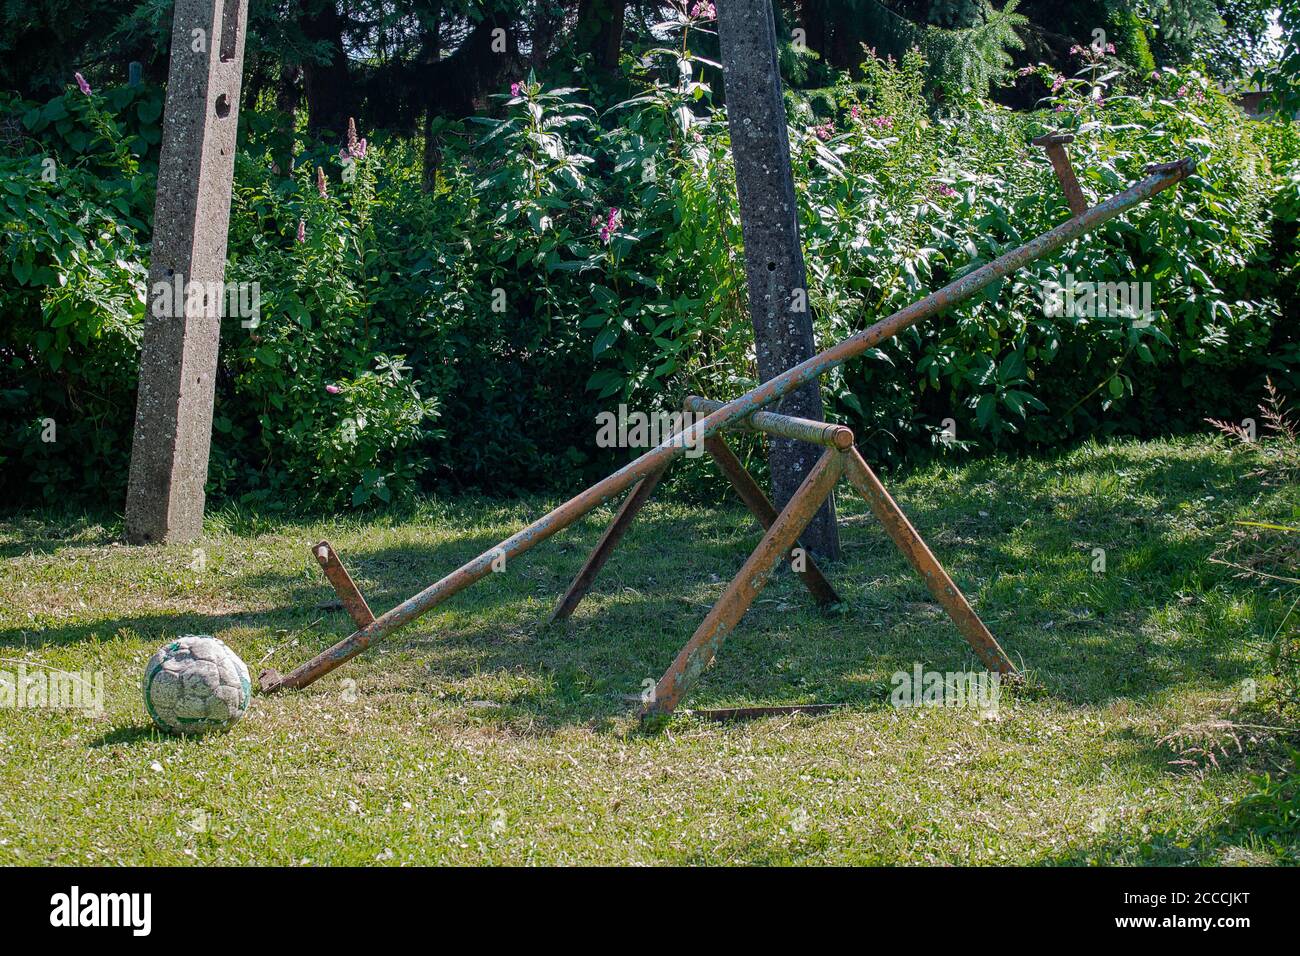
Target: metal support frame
[[784, 529], [782, 532], [722, 619], [779, 543]]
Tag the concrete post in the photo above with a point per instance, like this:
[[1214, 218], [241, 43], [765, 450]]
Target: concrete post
[[774, 265], [178, 363]]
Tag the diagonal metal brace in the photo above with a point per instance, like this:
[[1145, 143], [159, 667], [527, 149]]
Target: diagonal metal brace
[[765, 514], [722, 619], [347, 590], [1054, 144], [632, 504], [919, 555]]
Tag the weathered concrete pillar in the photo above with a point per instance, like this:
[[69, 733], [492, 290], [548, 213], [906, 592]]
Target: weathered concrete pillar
[[774, 266], [178, 363]]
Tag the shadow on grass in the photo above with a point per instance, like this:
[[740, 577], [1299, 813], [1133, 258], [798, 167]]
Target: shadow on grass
[[29, 532], [1023, 555], [139, 733]]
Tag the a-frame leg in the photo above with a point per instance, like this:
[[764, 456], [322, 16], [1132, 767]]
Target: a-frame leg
[[744, 587], [936, 578], [757, 502], [636, 500]]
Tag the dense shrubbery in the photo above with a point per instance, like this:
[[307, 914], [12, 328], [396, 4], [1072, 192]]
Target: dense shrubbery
[[564, 261], [74, 215]]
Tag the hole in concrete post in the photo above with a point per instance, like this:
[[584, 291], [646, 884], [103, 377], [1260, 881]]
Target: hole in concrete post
[[223, 106], [229, 29], [771, 267]]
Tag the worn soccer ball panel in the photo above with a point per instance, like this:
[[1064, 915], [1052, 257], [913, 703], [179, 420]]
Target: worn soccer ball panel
[[195, 685]]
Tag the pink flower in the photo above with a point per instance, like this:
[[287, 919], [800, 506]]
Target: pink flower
[[944, 190], [824, 131], [355, 147], [333, 389], [302, 231], [855, 111], [1155, 75], [612, 222], [1182, 91], [82, 84], [516, 89], [703, 10], [882, 122], [320, 182], [1058, 81]]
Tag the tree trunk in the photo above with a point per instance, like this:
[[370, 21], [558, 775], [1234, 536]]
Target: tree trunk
[[430, 19], [458, 85], [812, 18], [600, 31], [288, 97], [774, 265], [327, 84]]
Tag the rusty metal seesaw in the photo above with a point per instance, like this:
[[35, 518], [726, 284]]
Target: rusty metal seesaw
[[783, 529]]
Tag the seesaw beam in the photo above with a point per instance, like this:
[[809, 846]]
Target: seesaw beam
[[1159, 178]]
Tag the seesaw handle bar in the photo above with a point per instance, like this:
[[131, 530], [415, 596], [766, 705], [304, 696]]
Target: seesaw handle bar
[[1159, 178]]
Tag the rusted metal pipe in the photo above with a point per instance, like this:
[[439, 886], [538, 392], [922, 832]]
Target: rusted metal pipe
[[723, 617], [765, 512], [783, 426], [728, 714], [344, 586], [923, 560], [1054, 144], [632, 504], [954, 293]]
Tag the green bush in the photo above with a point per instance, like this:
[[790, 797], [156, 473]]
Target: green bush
[[562, 262], [73, 206]]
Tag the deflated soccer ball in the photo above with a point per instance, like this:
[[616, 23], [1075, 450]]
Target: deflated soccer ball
[[195, 685]]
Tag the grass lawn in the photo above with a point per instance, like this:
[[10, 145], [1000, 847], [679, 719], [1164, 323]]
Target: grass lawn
[[479, 735]]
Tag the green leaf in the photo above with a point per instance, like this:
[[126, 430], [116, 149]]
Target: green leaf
[[149, 110], [604, 340]]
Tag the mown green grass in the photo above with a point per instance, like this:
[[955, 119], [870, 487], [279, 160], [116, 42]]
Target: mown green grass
[[479, 735]]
